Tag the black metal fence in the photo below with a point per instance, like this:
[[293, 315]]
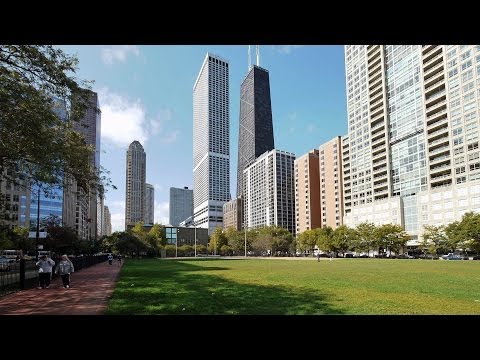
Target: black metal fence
[[23, 274]]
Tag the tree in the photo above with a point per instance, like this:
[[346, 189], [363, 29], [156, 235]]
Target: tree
[[343, 238], [390, 237], [22, 241], [217, 240], [454, 234], [36, 142], [306, 240], [64, 240], [365, 237], [434, 239], [158, 232], [235, 239], [470, 231], [281, 240], [325, 239], [5, 242]]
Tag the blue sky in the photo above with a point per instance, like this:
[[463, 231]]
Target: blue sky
[[145, 94]]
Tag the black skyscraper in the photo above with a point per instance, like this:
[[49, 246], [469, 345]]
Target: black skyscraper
[[256, 128]]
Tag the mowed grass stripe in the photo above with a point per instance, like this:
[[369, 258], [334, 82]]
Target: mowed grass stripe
[[283, 287]]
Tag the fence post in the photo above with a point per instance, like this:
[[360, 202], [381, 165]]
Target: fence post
[[22, 274]]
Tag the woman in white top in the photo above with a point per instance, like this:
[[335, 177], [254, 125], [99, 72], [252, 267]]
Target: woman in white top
[[44, 265]]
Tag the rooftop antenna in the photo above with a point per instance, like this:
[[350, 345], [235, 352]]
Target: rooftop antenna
[[258, 54], [249, 59]]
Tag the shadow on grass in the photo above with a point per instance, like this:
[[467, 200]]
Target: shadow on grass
[[178, 287]]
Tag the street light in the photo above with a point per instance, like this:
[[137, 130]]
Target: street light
[[195, 227], [37, 235]]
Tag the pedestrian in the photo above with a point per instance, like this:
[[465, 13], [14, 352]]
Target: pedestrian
[[45, 265], [119, 258], [64, 269], [110, 259], [318, 255]]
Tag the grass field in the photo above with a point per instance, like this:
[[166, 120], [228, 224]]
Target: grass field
[[297, 286]]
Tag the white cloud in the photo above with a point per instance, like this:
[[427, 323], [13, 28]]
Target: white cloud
[[161, 212], [124, 120], [286, 49], [118, 53]]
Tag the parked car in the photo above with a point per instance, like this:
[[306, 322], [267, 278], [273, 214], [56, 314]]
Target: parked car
[[4, 263], [452, 256]]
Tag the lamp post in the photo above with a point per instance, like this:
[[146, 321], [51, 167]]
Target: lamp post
[[245, 241], [176, 243], [37, 235], [195, 227]]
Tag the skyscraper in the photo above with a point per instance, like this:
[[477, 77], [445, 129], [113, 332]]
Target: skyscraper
[[211, 147], [135, 184], [107, 221], [413, 134], [269, 191], [307, 192], [149, 204], [86, 200], [331, 180], [180, 205], [255, 135]]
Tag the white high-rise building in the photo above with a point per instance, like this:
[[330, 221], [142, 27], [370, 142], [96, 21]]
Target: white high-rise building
[[149, 204], [135, 185], [269, 191], [211, 147], [412, 133]]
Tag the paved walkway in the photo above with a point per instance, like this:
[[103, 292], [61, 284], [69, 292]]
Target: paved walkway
[[89, 291]]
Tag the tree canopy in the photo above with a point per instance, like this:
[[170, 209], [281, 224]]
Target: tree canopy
[[40, 102]]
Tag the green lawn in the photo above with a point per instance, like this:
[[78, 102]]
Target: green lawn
[[299, 286]]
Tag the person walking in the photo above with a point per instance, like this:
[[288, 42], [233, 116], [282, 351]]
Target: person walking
[[64, 269], [119, 258], [44, 265], [110, 259], [318, 255]]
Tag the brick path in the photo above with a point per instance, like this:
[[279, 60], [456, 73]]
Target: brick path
[[89, 291]]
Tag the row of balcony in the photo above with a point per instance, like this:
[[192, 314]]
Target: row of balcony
[[437, 56], [439, 140]]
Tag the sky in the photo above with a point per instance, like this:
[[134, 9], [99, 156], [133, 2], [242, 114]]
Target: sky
[[146, 94]]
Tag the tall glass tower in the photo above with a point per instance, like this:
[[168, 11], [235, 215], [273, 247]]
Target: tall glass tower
[[255, 135]]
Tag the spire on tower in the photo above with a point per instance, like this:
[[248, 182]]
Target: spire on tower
[[258, 54], [249, 59]]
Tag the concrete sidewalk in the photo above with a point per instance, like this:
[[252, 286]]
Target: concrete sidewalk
[[89, 291]]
